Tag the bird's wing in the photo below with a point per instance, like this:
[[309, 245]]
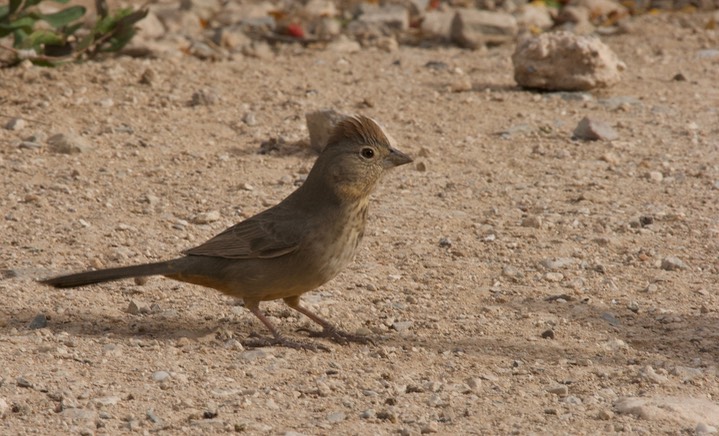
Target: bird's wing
[[272, 233]]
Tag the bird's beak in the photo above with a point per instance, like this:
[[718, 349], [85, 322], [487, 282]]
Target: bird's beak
[[395, 158]]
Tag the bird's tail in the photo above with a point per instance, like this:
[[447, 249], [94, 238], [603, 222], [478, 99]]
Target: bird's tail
[[110, 274]]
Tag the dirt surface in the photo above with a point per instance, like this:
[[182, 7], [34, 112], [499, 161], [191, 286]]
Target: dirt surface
[[515, 280]]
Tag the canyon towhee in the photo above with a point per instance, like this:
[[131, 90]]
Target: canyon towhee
[[293, 247]]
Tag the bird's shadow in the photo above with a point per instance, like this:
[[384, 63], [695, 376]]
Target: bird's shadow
[[679, 342]]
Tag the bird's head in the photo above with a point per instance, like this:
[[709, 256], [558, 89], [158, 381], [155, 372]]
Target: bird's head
[[357, 154]]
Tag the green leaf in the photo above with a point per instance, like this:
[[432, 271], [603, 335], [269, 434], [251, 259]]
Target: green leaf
[[65, 16], [26, 23], [42, 37], [56, 1]]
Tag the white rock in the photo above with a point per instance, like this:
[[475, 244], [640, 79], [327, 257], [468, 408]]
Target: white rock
[[472, 28], [563, 61], [15, 124]]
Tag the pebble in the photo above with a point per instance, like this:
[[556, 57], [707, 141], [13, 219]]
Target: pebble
[[402, 326], [654, 176], [252, 355], [704, 429], [673, 263], [590, 129], [553, 277], [445, 242], [204, 97], [137, 308], [649, 374], [4, 407], [430, 427], [39, 322], [159, 376], [15, 124], [107, 401], [67, 143], [368, 414], [532, 221], [206, 217], [335, 417], [561, 390], [250, 119], [558, 263], [547, 334], [23, 382]]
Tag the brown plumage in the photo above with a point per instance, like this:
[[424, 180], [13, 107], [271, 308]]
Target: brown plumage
[[293, 247]]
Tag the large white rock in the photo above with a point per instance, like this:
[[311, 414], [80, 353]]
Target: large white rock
[[563, 61]]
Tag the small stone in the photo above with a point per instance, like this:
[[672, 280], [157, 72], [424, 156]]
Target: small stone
[[335, 417], [605, 415], [206, 217], [149, 77], [204, 97], [15, 124], [673, 263], [437, 25], [553, 277], [633, 306], [430, 427], [23, 382], [654, 176], [107, 401], [402, 326], [473, 28], [368, 414], [137, 308], [679, 77], [462, 84], [548, 334], [445, 242], [140, 281], [250, 119], [4, 407], [421, 167], [649, 374], [561, 390], [532, 221], [160, 376], [590, 129], [69, 143], [39, 322]]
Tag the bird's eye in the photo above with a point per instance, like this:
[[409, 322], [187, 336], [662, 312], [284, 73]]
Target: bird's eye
[[367, 153]]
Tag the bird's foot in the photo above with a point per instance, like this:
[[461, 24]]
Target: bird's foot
[[338, 336], [281, 341]]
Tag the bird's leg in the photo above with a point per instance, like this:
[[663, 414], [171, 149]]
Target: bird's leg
[[277, 337], [328, 330]]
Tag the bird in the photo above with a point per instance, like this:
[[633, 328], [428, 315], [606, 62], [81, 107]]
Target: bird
[[291, 248]]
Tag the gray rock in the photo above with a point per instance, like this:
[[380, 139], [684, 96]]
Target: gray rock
[[335, 417], [590, 129], [159, 376], [15, 124], [39, 322], [67, 143], [563, 61], [402, 326], [673, 263], [472, 28]]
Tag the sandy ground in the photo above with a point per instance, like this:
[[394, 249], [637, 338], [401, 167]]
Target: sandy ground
[[515, 280]]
